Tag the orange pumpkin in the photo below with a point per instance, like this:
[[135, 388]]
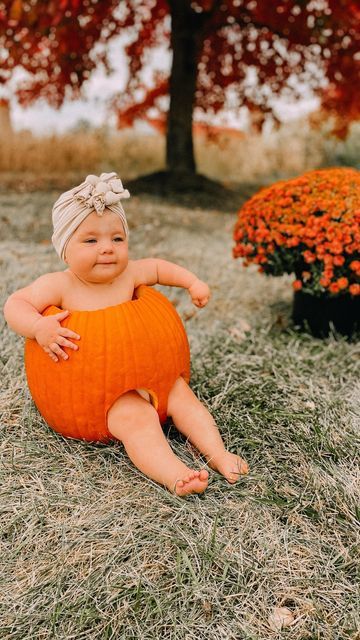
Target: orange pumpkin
[[139, 344]]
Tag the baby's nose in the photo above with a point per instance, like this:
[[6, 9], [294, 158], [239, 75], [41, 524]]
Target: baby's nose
[[106, 246]]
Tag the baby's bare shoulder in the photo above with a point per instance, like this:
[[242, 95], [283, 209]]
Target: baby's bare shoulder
[[45, 291], [144, 271]]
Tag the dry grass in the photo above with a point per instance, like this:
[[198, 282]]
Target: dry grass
[[92, 549], [291, 150], [79, 153]]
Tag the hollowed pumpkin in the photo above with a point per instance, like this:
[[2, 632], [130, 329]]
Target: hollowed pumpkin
[[139, 344]]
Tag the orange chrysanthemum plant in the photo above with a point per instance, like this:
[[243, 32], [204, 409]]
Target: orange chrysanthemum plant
[[309, 226]]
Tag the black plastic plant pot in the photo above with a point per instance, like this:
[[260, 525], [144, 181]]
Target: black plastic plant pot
[[324, 314]]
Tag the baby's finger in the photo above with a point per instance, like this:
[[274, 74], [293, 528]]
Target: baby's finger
[[61, 314], [58, 351], [69, 334], [200, 303], [50, 354], [67, 343]]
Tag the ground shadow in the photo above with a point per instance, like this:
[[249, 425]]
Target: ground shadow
[[193, 190]]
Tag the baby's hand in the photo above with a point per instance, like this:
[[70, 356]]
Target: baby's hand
[[49, 334], [200, 293]]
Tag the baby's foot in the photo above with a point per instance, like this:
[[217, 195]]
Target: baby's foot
[[193, 482], [229, 465]]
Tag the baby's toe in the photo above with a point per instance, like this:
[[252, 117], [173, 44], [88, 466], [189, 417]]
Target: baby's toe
[[243, 466], [197, 483], [203, 475], [232, 476]]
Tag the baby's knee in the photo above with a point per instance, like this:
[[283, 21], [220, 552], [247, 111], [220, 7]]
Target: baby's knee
[[179, 394], [130, 413]]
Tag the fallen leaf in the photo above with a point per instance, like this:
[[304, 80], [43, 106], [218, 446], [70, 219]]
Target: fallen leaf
[[281, 321], [239, 331], [237, 334], [243, 325], [207, 608], [280, 617]]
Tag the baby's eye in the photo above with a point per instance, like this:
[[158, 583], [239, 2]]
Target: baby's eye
[[119, 239], [91, 240]]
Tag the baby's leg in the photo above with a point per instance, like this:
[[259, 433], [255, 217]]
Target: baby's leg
[[194, 421], [134, 422]]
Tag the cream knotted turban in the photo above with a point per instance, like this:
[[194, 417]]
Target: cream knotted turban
[[73, 206]]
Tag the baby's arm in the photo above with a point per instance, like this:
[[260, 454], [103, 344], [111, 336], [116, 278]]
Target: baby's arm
[[155, 271], [23, 309]]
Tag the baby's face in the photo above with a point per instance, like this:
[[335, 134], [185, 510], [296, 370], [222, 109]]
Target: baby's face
[[98, 249]]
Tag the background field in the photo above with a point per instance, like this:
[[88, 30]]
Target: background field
[[231, 158], [91, 548]]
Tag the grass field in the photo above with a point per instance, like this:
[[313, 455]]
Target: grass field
[[92, 549]]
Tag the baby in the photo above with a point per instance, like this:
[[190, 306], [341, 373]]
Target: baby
[[91, 236]]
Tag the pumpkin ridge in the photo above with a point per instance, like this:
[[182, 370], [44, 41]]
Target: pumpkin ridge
[[154, 349], [132, 375], [174, 337], [178, 332], [165, 326]]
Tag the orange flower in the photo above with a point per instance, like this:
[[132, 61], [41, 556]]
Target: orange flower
[[309, 257], [297, 285], [336, 247], [339, 261], [355, 265], [334, 287], [343, 283], [292, 242], [354, 289]]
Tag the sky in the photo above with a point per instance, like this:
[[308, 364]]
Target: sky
[[41, 119]]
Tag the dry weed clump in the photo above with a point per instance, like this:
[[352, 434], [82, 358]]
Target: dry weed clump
[[228, 158]]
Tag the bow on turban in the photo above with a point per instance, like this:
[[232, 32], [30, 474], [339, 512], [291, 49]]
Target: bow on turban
[[72, 207]]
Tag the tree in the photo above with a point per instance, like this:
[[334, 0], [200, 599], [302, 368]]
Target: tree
[[216, 46], [57, 43]]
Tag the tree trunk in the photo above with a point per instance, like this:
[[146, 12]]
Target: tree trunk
[[6, 129], [185, 41]]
